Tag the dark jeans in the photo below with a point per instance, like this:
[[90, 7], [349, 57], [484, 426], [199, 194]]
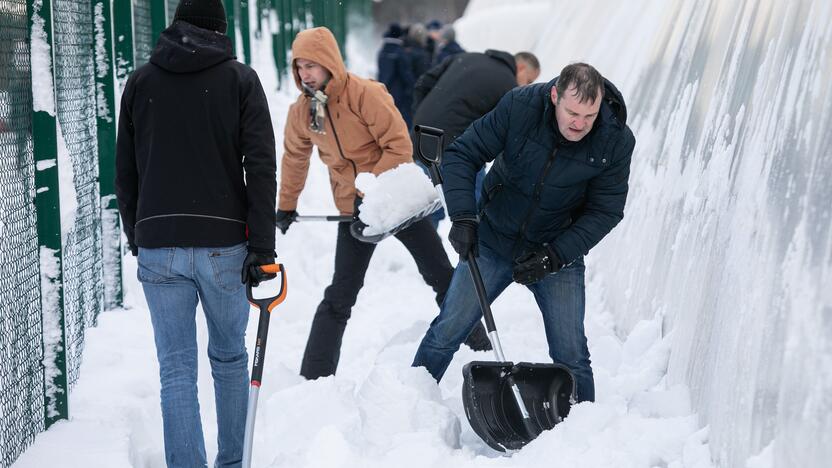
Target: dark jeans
[[351, 260], [561, 300]]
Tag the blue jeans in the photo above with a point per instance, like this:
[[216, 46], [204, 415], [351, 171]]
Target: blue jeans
[[174, 280], [560, 297]]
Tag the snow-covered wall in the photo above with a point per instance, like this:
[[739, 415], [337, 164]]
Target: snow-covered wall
[[727, 227]]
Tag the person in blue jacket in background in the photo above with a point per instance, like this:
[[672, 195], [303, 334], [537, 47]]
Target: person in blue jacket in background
[[396, 71], [558, 185]]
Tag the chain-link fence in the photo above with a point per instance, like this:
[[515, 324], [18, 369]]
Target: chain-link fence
[[21, 373], [63, 64]]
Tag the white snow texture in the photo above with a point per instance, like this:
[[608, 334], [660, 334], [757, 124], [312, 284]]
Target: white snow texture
[[709, 314], [393, 197]]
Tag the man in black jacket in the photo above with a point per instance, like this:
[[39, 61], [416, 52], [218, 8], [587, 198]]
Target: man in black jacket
[[196, 186], [465, 87]]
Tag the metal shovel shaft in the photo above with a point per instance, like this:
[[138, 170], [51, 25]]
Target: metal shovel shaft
[[338, 218], [531, 430], [251, 413], [254, 389]]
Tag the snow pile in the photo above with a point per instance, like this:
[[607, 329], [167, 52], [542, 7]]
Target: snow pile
[[393, 197], [408, 400], [66, 185], [50, 290], [43, 97], [102, 68]]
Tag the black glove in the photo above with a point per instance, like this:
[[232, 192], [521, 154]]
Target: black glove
[[284, 219], [533, 267], [463, 237], [251, 272], [133, 249]]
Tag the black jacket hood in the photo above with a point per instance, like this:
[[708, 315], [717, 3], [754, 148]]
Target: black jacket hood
[[504, 57], [185, 48]]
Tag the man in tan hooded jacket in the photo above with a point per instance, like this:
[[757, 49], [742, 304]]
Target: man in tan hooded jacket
[[357, 128]]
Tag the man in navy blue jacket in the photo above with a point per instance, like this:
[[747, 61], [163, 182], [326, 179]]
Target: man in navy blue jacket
[[558, 185]]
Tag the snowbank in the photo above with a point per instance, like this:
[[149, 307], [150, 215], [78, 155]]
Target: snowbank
[[727, 225]]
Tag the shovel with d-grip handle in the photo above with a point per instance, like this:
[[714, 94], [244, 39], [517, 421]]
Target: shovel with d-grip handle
[[508, 404], [266, 305]]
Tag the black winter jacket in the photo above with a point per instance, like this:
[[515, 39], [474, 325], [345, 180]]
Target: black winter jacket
[[396, 72], [540, 188], [195, 159], [462, 89]]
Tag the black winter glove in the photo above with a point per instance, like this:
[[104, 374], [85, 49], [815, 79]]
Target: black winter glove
[[463, 237], [284, 219], [533, 267], [253, 274]]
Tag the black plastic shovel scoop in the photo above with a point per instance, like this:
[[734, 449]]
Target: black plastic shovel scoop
[[508, 405]]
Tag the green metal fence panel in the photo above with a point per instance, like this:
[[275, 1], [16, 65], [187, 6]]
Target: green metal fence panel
[[21, 372], [106, 124], [48, 208], [230, 18], [123, 42], [81, 229], [158, 18], [245, 31], [143, 38]]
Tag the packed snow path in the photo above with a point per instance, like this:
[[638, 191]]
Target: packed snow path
[[377, 411]]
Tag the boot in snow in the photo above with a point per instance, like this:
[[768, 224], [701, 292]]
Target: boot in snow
[[478, 338]]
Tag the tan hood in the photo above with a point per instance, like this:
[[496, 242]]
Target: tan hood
[[320, 46]]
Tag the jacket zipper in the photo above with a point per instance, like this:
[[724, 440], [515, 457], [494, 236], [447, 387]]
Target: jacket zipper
[[338, 143], [521, 234]]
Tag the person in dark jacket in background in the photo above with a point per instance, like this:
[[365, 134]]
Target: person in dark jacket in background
[[434, 36], [418, 48], [447, 45], [396, 71], [558, 185], [464, 88], [196, 188]]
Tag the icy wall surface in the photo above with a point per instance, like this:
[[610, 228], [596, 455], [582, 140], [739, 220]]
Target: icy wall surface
[[727, 228]]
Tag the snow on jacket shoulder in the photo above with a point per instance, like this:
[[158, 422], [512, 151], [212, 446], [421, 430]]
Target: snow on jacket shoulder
[[363, 132]]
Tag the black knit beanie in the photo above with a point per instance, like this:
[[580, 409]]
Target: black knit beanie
[[206, 14]]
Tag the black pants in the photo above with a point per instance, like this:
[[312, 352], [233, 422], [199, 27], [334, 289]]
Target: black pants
[[351, 260]]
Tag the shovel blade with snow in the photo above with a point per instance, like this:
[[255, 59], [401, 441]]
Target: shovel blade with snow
[[491, 407], [358, 228], [508, 405]]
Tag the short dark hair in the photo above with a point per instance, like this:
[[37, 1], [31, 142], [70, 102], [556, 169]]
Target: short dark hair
[[529, 58], [588, 83]]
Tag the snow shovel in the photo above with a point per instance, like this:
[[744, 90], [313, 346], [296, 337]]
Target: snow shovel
[[266, 305], [508, 405], [358, 227], [336, 218]]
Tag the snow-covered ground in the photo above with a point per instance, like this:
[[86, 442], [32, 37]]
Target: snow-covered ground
[[378, 411], [707, 339]]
